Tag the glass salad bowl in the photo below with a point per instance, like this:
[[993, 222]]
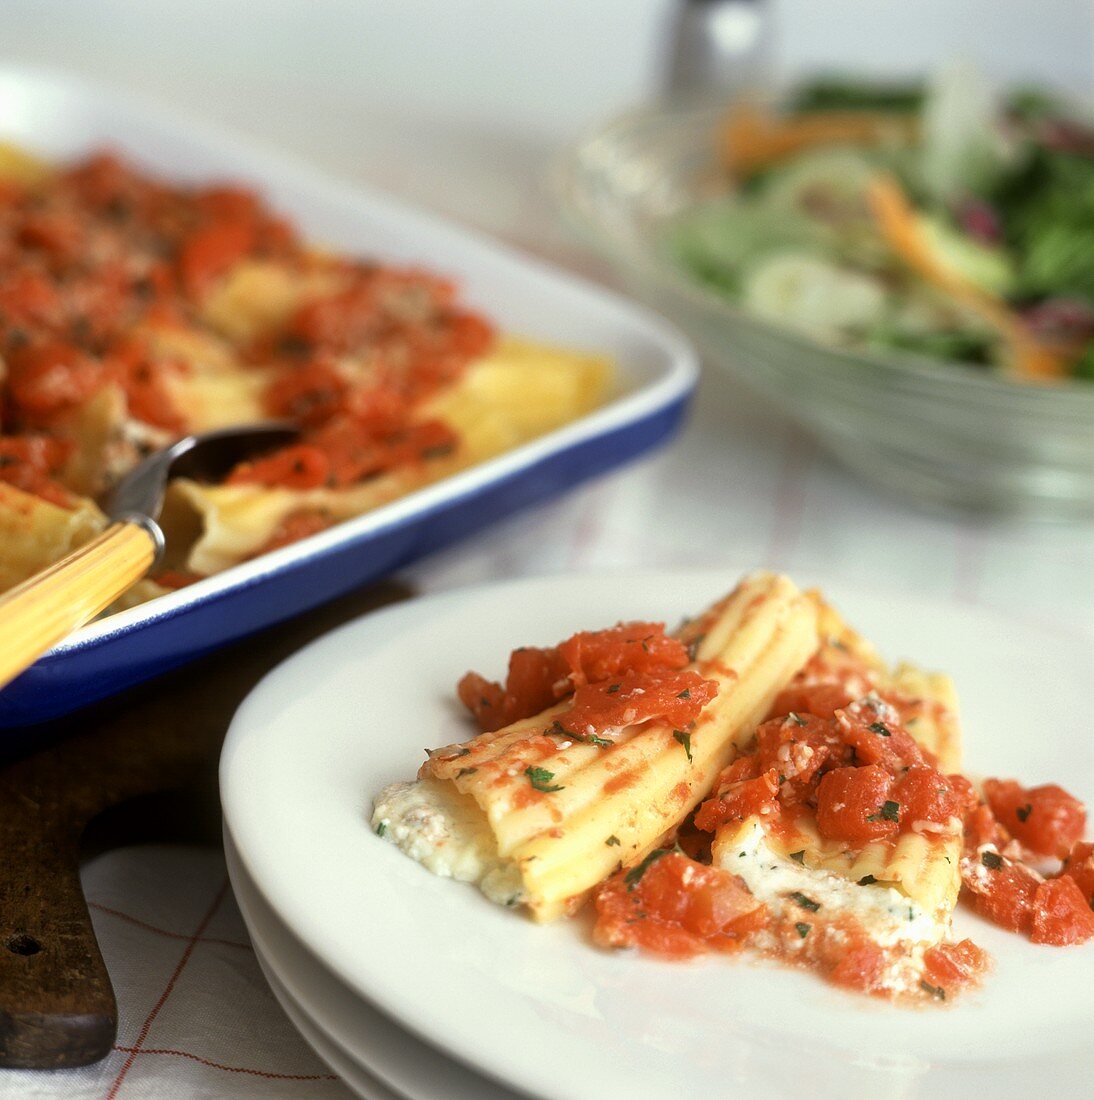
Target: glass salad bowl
[[938, 432]]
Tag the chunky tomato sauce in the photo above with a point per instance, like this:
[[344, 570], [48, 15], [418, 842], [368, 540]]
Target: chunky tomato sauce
[[676, 907], [622, 676], [90, 257], [1007, 841], [837, 753], [33, 463], [98, 259]]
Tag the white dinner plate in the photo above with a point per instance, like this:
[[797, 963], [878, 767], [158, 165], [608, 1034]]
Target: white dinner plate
[[346, 1022], [540, 1007]]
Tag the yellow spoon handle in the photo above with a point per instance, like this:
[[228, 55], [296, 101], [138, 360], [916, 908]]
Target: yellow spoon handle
[[50, 605]]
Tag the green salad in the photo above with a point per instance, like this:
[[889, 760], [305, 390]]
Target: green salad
[[946, 220]]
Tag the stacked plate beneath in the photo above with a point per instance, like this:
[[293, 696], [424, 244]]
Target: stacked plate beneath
[[375, 1057]]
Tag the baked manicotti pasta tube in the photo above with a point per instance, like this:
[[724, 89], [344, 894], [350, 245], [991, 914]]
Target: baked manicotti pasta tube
[[866, 868], [35, 532], [537, 816], [518, 392], [927, 701], [901, 896]]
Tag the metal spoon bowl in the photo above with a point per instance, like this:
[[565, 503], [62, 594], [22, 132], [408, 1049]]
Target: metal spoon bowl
[[205, 456]]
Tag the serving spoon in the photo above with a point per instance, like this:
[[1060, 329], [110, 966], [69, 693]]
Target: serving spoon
[[47, 607]]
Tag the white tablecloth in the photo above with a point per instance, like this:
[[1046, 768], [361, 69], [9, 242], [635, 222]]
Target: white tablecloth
[[196, 1016], [739, 486]]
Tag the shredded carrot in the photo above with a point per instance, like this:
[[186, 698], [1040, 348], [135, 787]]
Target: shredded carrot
[[754, 137], [896, 219]]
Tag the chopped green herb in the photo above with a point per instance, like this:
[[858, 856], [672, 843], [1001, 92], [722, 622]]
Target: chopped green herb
[[782, 779], [685, 740], [933, 990], [513, 900], [890, 811], [1023, 812], [613, 841], [798, 857], [867, 880], [804, 902], [803, 928], [462, 752], [634, 876], [880, 728], [558, 730], [837, 643], [796, 718], [991, 859], [685, 694], [741, 855], [540, 778], [381, 828], [465, 771], [693, 646], [603, 742], [613, 688]]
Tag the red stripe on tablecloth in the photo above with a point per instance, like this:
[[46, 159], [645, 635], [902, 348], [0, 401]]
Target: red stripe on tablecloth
[[147, 1025], [230, 1069], [588, 528], [790, 499], [164, 931]]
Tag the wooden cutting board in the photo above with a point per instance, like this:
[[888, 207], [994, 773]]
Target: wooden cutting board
[[133, 753]]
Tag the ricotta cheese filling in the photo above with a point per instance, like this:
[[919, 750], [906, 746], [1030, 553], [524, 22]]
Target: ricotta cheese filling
[[447, 833], [889, 918]]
